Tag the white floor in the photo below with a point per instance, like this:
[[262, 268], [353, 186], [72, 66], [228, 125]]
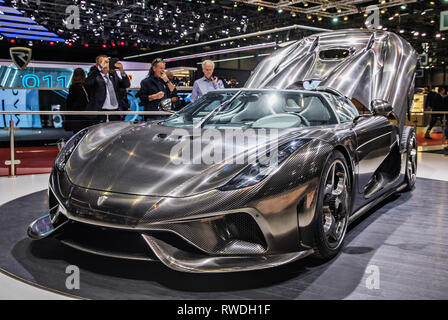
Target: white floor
[[431, 166]]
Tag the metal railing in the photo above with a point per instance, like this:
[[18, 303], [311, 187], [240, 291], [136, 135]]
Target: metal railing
[[12, 162]]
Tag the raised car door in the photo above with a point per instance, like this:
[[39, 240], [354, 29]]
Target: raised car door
[[375, 138]]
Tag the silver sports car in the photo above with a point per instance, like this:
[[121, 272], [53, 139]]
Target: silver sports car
[[317, 137]]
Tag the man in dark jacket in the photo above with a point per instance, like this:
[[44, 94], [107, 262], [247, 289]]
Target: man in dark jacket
[[437, 103], [155, 88], [103, 86]]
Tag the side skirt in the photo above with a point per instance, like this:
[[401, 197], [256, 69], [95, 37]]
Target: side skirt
[[373, 203]]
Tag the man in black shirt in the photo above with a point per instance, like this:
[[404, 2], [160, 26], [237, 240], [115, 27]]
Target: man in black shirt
[[155, 88]]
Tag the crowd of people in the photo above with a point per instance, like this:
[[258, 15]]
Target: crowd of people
[[436, 101], [104, 89]]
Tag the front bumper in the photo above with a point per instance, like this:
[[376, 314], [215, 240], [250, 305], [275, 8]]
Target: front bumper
[[212, 232], [149, 246]]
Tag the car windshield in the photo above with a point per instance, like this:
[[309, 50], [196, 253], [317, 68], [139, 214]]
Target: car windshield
[[256, 109]]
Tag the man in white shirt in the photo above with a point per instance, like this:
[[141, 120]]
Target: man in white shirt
[[103, 87], [207, 83]]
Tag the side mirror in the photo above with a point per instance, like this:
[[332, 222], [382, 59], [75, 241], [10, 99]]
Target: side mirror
[[381, 107], [165, 105]]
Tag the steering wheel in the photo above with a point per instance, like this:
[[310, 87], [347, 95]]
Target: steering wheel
[[302, 118]]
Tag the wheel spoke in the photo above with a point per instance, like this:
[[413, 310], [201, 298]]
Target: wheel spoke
[[333, 172]]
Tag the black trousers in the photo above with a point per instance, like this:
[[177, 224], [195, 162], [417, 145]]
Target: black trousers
[[432, 123]]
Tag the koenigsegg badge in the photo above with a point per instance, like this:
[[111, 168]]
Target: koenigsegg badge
[[20, 56], [101, 200]]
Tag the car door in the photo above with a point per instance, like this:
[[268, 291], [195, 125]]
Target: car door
[[374, 136]]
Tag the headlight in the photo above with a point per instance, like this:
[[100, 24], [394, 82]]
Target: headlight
[[256, 172], [67, 150]]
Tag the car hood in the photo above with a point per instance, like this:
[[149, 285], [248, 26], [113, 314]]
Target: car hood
[[139, 159]]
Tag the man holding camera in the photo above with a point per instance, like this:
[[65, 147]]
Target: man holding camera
[[156, 88], [103, 86]]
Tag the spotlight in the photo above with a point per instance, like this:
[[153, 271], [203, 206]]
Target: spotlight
[[335, 20], [345, 18]]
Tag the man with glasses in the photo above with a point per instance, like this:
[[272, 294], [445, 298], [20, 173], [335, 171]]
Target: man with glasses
[[155, 88]]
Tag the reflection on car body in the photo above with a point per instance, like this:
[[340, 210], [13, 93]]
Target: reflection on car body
[[337, 155]]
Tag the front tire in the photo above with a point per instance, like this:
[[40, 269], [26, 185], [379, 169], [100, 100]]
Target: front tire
[[333, 207]]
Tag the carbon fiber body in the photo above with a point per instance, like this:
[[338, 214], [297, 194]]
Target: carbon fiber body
[[121, 180]]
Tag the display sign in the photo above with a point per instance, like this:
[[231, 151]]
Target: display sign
[[35, 78], [20, 56], [19, 100], [443, 20]]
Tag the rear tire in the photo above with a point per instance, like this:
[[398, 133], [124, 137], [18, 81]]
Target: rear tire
[[333, 207]]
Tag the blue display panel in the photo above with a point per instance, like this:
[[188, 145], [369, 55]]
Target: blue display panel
[[35, 78], [20, 100]]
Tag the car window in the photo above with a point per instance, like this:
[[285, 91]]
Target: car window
[[345, 111]]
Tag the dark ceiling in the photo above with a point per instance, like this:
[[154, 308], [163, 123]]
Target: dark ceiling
[[122, 28]]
